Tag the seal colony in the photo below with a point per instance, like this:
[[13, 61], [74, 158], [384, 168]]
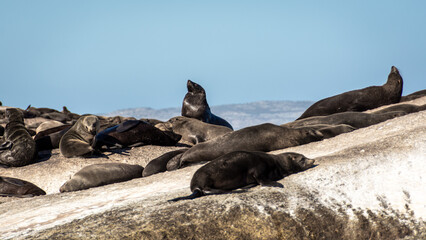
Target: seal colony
[[235, 159]]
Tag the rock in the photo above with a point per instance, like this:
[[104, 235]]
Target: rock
[[368, 183]]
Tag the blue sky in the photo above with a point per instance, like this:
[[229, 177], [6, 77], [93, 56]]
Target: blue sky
[[100, 56]]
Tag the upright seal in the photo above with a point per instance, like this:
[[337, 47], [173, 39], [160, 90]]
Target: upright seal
[[195, 106], [78, 140]]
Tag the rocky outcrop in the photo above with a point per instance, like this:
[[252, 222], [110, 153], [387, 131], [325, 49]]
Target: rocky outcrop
[[367, 184]]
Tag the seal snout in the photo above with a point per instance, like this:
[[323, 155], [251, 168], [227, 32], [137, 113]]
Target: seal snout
[[309, 162]]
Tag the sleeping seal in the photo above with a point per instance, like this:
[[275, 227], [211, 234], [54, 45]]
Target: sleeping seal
[[18, 147], [241, 169], [78, 140], [264, 137], [354, 119], [195, 106], [361, 99], [101, 174]]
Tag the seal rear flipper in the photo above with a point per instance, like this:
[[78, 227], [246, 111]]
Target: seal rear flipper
[[159, 164], [127, 125], [174, 163], [196, 194]]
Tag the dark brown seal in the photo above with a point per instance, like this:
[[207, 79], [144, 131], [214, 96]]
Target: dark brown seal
[[192, 130], [13, 187], [101, 174], [361, 99], [78, 140], [243, 169], [18, 147], [264, 137], [354, 119], [195, 106]]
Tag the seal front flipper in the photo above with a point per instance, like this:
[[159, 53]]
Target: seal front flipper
[[6, 145], [196, 194]]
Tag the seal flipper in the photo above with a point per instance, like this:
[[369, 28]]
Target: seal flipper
[[174, 163], [6, 145], [127, 125], [195, 194], [159, 164]]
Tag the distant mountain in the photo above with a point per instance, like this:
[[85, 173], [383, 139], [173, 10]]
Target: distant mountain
[[239, 115]]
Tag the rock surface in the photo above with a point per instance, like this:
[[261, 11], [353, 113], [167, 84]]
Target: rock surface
[[367, 184]]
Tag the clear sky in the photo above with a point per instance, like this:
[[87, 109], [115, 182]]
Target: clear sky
[[100, 56]]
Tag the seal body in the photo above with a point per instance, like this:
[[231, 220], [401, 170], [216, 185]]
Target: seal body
[[18, 147], [101, 174], [360, 100], [135, 133], [195, 106], [354, 119], [77, 141], [192, 130], [242, 168], [407, 108], [13, 187], [264, 137], [413, 96]]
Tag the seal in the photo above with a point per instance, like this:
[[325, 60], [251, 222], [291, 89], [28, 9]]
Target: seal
[[361, 99], [407, 108], [13, 187], [159, 164], [77, 141], [413, 96], [134, 133], [354, 119], [18, 148], [195, 106], [264, 137], [101, 174], [32, 112], [243, 169], [192, 130]]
